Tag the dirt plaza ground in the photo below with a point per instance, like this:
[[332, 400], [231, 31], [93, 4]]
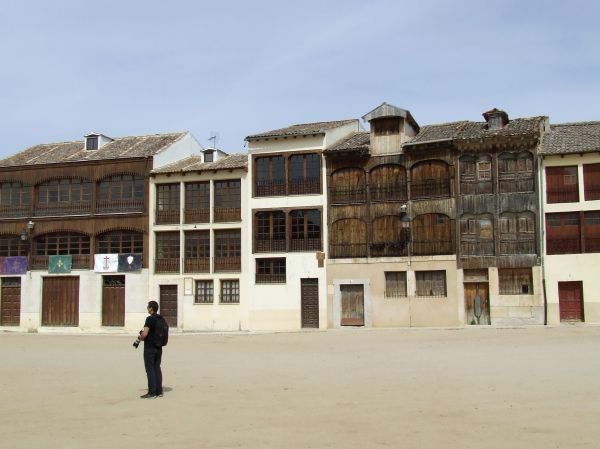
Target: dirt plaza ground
[[349, 388]]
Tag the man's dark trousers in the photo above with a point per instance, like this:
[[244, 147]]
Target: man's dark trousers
[[152, 356]]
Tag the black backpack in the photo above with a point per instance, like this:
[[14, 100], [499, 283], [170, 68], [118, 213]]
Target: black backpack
[[160, 337]]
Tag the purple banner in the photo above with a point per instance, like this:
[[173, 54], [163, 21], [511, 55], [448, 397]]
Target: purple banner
[[15, 265]]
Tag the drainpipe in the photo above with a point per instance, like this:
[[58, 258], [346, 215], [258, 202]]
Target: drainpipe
[[542, 235]]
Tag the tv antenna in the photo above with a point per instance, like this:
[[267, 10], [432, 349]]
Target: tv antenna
[[214, 137]]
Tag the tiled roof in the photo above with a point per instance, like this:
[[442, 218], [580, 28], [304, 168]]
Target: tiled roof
[[302, 130], [119, 148], [581, 137], [465, 130], [355, 142], [194, 163]]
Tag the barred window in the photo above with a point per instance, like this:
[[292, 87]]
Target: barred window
[[230, 292], [395, 284], [204, 292], [431, 283]]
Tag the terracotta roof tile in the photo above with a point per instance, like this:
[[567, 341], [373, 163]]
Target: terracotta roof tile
[[194, 163], [356, 142], [564, 138], [302, 129]]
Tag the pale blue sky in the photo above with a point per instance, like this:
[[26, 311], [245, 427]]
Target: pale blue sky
[[132, 67]]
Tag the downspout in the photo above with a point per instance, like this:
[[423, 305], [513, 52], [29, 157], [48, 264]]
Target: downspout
[[542, 235]]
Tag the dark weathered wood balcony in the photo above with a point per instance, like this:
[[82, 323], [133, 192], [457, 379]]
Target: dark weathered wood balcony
[[196, 265], [563, 246], [269, 188], [81, 208], [348, 195], [476, 187], [79, 262], [270, 246], [170, 265], [270, 278], [167, 217], [228, 264], [388, 249], [433, 188], [14, 211], [304, 186], [115, 206], [225, 214], [562, 194], [347, 250], [509, 183], [508, 247], [391, 192], [305, 244], [431, 248], [477, 248], [196, 215]]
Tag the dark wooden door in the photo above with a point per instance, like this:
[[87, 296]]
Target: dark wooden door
[[60, 301], [113, 301], [309, 297], [474, 307], [10, 302], [168, 304], [353, 305], [570, 301]]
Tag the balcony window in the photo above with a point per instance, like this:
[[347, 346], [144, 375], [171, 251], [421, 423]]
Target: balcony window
[[61, 243], [121, 193], [563, 233], [119, 242], [228, 251], [167, 204], [228, 200], [348, 185], [167, 252], [270, 176], [270, 231], [15, 199], [270, 271], [197, 202], [476, 235], [306, 230], [64, 197], [197, 252], [305, 174], [562, 184], [388, 183], [591, 181], [12, 245], [431, 234], [430, 179], [515, 172]]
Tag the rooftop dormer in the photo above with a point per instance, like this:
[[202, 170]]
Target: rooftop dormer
[[212, 154], [496, 119], [390, 128], [95, 141]]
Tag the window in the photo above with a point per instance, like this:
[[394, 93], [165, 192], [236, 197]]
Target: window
[[306, 230], [305, 171], [563, 233], [197, 252], [348, 239], [64, 193], [230, 292], [386, 126], [116, 242], [431, 234], [395, 284], [228, 200], [591, 181], [431, 283], [61, 243], [591, 231], [167, 204], [12, 245], [167, 252], [270, 231], [387, 182], [477, 235], [430, 179], [270, 176], [121, 192], [515, 281], [562, 185], [204, 292], [270, 271], [197, 202], [517, 233], [91, 143], [209, 156], [484, 170], [14, 199], [228, 250], [348, 185], [515, 172]]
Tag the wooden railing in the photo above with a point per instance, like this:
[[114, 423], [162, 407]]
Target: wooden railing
[[388, 192], [196, 215], [304, 186], [437, 188], [476, 188], [562, 195], [508, 247], [270, 278], [132, 205], [477, 248], [233, 264], [347, 250], [348, 195], [167, 216], [592, 192], [166, 265], [430, 248], [227, 214], [81, 208], [305, 244], [563, 246], [388, 249], [14, 211], [196, 265], [514, 184], [270, 188], [592, 244], [79, 262], [270, 246]]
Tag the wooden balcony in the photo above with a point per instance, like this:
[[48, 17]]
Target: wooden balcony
[[225, 214], [562, 195], [388, 249], [196, 215], [563, 246], [304, 186], [390, 192], [116, 206], [515, 184], [437, 188], [79, 262], [508, 247], [166, 265], [476, 248], [348, 195], [228, 264], [196, 265], [431, 248], [305, 244], [14, 211], [592, 192], [82, 208], [270, 278], [270, 246], [347, 250], [167, 217], [476, 188]]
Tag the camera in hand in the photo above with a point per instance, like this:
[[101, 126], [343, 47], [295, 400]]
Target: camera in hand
[[136, 343]]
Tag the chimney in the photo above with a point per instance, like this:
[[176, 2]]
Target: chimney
[[495, 118]]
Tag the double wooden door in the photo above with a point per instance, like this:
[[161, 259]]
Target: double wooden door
[[60, 301], [10, 302], [477, 303]]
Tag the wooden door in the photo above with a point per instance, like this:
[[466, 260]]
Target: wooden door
[[477, 311], [10, 302], [113, 301], [60, 301], [309, 297], [353, 305], [570, 301], [168, 304]]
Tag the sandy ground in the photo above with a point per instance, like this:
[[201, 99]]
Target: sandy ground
[[469, 388]]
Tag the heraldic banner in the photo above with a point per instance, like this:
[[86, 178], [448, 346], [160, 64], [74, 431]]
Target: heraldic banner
[[13, 265], [106, 263], [60, 264], [130, 262]]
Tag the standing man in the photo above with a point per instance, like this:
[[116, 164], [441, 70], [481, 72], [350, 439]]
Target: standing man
[[152, 353]]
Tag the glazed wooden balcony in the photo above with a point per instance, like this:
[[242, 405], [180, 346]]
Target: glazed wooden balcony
[[196, 265], [108, 206], [227, 264], [80, 208]]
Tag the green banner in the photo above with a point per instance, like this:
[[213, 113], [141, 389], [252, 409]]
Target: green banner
[[59, 264]]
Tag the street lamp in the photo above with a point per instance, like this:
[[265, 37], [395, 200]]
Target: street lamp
[[26, 239]]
